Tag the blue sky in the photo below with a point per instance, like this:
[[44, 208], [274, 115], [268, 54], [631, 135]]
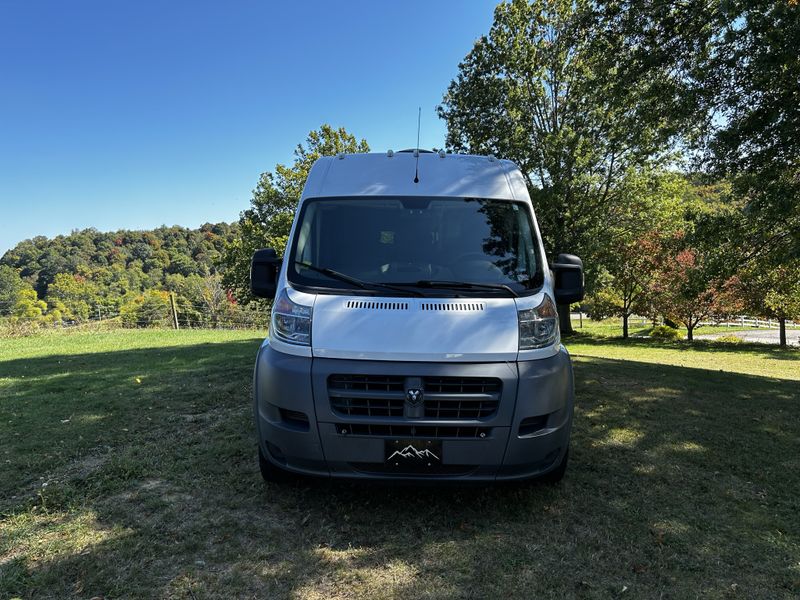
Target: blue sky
[[132, 115]]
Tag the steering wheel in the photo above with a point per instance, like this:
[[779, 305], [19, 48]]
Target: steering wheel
[[477, 257]]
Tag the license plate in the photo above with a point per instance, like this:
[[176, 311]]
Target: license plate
[[413, 454]]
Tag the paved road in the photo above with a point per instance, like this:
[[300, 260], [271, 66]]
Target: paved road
[[763, 336]]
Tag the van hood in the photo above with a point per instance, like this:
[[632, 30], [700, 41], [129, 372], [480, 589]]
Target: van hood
[[415, 329]]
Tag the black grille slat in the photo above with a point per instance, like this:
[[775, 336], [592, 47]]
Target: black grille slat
[[453, 398], [415, 431], [367, 395], [436, 471]]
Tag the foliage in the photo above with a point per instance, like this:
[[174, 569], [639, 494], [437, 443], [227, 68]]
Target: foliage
[[728, 339], [146, 310], [754, 131], [602, 304], [540, 90], [770, 286], [665, 332], [686, 287], [654, 208], [11, 284], [28, 307], [773, 290], [267, 222], [120, 261], [76, 293], [89, 275]]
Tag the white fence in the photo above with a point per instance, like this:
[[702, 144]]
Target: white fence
[[742, 322], [754, 322]]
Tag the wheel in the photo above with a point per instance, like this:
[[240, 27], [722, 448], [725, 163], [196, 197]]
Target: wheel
[[270, 472], [557, 474]]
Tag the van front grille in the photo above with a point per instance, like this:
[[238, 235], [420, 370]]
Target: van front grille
[[451, 398], [367, 395]]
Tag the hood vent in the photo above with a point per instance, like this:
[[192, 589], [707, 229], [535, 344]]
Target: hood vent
[[457, 306], [372, 305]]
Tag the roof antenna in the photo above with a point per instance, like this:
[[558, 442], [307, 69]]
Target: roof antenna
[[416, 168]]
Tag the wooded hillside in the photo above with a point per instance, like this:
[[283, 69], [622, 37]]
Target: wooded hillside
[[89, 275]]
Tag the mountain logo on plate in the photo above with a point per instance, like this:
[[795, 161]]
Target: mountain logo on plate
[[409, 452]]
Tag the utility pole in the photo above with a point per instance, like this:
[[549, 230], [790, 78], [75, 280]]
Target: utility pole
[[174, 312]]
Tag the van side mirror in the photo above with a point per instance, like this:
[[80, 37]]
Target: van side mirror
[[264, 273], [568, 272]]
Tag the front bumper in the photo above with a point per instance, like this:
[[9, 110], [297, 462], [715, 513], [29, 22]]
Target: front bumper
[[299, 430]]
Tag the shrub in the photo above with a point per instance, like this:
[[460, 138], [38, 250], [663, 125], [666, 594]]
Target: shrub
[[603, 304], [150, 309], [664, 332], [729, 339]]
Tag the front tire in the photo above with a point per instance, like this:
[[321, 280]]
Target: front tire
[[558, 473], [270, 472]]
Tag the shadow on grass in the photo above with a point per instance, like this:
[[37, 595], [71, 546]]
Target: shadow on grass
[[681, 480]]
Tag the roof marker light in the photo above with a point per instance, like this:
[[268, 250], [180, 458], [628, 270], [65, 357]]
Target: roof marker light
[[390, 153], [442, 154], [492, 158], [340, 156]]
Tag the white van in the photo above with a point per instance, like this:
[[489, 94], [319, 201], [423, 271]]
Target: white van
[[414, 332]]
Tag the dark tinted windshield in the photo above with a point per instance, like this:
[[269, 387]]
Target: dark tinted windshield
[[409, 240]]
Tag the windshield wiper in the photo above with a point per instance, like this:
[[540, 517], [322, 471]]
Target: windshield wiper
[[366, 285], [460, 285]]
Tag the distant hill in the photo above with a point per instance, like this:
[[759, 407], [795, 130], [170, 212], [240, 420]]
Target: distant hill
[[145, 259]]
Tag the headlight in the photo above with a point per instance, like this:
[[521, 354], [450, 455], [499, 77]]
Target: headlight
[[291, 322], [538, 327]]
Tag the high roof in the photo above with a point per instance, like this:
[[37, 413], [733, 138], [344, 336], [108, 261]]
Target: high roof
[[454, 175]]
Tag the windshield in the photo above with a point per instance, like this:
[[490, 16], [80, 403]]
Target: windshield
[[460, 246]]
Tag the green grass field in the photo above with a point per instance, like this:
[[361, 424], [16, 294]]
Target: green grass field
[[129, 471]]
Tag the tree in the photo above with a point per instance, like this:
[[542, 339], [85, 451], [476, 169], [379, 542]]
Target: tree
[[28, 307], [651, 210], [544, 88], [210, 298], [688, 289], [76, 293], [633, 266], [752, 78], [89, 272], [146, 310], [267, 222], [773, 291], [10, 286]]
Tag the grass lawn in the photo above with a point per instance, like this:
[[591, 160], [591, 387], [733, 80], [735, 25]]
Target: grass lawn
[[129, 470]]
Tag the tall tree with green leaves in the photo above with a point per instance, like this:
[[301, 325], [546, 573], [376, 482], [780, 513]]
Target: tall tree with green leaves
[[753, 76], [267, 222], [542, 89], [77, 294], [11, 284], [773, 291], [651, 210]]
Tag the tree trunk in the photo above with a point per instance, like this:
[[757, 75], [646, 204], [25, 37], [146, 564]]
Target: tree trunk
[[782, 326], [564, 322], [689, 332], [625, 326]]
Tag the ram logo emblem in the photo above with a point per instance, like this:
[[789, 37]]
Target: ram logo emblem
[[414, 396]]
